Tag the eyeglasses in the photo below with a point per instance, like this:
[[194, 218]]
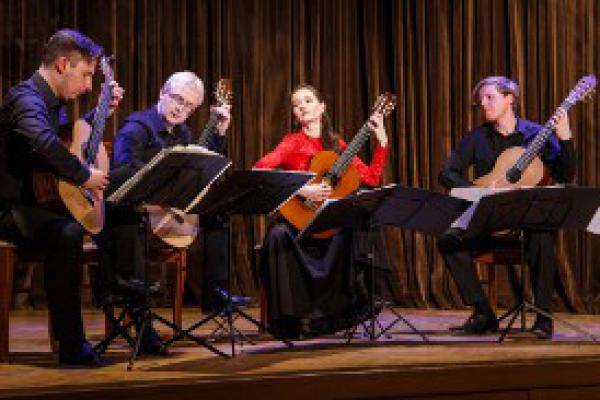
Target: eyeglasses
[[181, 102]]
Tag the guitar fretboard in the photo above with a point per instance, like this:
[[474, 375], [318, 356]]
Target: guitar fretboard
[[99, 122], [536, 145], [344, 160], [209, 129]]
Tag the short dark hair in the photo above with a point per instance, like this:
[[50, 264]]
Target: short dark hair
[[67, 41], [503, 84]]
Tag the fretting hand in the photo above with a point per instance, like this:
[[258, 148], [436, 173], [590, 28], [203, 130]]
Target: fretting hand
[[224, 113], [117, 96], [562, 129], [378, 128]]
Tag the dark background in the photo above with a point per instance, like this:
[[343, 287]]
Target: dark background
[[430, 53]]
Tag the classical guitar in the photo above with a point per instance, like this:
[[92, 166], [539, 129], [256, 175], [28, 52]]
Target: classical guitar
[[175, 227], [336, 171], [85, 143], [522, 166]]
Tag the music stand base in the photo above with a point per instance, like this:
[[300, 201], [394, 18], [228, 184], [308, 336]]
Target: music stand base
[[371, 325], [142, 316], [523, 307]]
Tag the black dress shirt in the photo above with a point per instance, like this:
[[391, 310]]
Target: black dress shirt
[[142, 136], [482, 146], [30, 119]]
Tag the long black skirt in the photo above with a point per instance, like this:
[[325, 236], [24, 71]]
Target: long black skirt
[[314, 287]]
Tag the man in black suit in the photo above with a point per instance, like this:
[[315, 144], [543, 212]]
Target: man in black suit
[[497, 97], [30, 118]]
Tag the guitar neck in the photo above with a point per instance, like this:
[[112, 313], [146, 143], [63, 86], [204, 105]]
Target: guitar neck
[[536, 145], [98, 124], [344, 160], [209, 129]]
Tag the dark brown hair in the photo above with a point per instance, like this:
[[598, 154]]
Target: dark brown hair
[[68, 41], [329, 138]]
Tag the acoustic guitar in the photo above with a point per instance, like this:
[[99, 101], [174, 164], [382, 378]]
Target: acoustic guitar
[[522, 166], [85, 143], [335, 170], [176, 227]]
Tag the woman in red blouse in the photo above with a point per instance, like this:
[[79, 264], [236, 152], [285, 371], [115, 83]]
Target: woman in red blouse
[[316, 286]]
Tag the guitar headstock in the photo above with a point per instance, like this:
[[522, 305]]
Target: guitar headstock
[[223, 92], [384, 104], [583, 90]]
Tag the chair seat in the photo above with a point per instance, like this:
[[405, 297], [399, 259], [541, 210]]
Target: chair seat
[[505, 256]]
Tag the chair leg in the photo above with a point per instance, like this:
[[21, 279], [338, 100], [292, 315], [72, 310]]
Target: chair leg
[[180, 272], [262, 304], [51, 338], [492, 288], [7, 261]]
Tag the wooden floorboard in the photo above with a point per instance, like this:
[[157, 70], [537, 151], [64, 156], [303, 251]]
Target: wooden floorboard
[[401, 366]]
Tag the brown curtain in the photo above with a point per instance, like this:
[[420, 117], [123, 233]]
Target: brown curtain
[[430, 53]]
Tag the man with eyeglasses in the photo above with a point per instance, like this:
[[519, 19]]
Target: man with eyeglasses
[[142, 136]]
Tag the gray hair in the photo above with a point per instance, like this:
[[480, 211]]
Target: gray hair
[[184, 79], [502, 83]]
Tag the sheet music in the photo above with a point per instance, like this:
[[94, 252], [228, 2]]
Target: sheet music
[[594, 225], [179, 149], [285, 172]]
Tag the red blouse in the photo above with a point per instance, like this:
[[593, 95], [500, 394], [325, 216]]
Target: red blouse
[[297, 149]]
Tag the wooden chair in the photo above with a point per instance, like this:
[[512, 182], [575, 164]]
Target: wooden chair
[[7, 261], [488, 263], [177, 258], [9, 255]]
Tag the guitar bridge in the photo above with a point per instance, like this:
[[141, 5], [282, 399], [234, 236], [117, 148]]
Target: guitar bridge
[[311, 204]]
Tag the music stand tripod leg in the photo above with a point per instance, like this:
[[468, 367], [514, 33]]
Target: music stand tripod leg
[[138, 342], [180, 333], [524, 306], [373, 336]]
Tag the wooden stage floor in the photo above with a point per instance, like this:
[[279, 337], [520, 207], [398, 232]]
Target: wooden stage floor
[[399, 367]]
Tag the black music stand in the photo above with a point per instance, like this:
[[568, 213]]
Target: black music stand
[[543, 208], [253, 192], [173, 178], [395, 205]]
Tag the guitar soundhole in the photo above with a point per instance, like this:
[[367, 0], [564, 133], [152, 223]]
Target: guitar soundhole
[[88, 196]]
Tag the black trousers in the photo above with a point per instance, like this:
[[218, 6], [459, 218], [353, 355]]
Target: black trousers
[[123, 248], [539, 254], [60, 240], [215, 252]]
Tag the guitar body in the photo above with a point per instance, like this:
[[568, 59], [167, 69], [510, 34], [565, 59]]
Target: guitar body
[[532, 175], [299, 212], [176, 231], [86, 210]]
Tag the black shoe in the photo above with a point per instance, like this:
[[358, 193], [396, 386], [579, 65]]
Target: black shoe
[[84, 356], [542, 327], [136, 287], [451, 239], [152, 343], [218, 298], [478, 324]]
